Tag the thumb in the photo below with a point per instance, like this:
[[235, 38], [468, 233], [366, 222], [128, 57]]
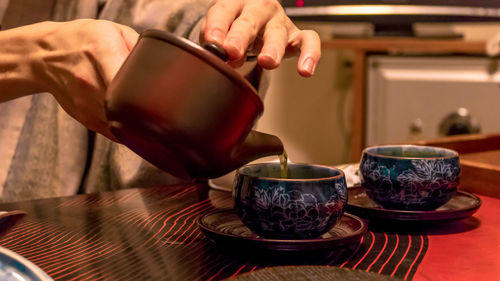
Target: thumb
[[129, 35], [116, 54]]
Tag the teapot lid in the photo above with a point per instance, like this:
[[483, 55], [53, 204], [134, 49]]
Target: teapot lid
[[209, 58]]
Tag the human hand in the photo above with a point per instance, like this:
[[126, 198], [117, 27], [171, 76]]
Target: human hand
[[260, 25], [76, 61]]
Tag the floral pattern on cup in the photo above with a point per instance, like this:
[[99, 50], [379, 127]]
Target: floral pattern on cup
[[299, 211], [410, 184], [290, 209]]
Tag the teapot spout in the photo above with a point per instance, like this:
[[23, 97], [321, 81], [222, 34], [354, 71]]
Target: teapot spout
[[256, 145]]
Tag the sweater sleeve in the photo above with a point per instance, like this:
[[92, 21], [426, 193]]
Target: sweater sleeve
[[175, 16]]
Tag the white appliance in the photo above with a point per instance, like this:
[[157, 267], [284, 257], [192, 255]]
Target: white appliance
[[410, 97]]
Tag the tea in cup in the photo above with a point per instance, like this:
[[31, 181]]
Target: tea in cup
[[304, 205]]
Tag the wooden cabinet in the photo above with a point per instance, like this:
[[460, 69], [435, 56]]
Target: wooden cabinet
[[419, 97], [363, 48]]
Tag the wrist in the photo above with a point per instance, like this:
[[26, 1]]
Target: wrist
[[18, 72]]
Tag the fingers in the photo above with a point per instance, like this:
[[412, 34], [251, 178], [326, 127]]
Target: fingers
[[310, 52], [244, 30], [275, 41], [235, 24], [86, 105], [219, 18], [103, 129], [96, 124], [238, 63]]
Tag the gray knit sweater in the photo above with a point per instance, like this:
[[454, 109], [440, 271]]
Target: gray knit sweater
[[46, 153]]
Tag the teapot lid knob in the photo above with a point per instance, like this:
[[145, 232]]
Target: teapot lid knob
[[217, 50]]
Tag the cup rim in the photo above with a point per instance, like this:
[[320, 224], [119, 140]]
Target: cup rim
[[340, 175], [453, 153]]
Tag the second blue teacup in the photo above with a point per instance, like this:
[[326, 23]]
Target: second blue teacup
[[306, 204], [409, 177]]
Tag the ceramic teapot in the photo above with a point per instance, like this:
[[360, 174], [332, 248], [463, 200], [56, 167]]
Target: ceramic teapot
[[182, 108]]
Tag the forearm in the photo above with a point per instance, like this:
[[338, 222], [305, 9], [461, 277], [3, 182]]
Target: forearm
[[17, 77]]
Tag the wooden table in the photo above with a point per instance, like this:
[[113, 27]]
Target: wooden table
[[362, 48], [151, 234]]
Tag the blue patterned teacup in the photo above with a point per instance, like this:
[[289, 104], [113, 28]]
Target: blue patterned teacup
[[308, 203], [409, 177]]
